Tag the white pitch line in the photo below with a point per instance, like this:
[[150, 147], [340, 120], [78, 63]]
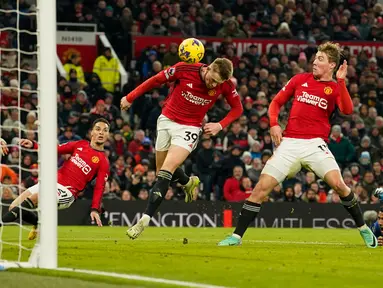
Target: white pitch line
[[141, 278], [296, 242]]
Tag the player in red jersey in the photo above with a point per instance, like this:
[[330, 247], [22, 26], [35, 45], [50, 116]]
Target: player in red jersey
[[87, 162], [196, 88], [304, 140]]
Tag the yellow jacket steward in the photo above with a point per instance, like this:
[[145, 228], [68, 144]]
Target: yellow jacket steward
[[80, 72], [107, 70]]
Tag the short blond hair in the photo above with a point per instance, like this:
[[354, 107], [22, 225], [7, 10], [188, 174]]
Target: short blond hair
[[224, 67], [333, 52]]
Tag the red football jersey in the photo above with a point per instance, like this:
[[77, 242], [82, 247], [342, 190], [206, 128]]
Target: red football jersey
[[314, 102], [190, 99], [82, 167]]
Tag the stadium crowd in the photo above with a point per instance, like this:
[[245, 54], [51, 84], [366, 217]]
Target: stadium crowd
[[229, 165]]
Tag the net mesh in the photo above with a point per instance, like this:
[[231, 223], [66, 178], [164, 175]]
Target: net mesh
[[18, 119]]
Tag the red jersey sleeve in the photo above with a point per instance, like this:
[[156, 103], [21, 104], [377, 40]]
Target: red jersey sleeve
[[168, 75], [232, 97], [66, 148], [281, 99], [344, 101], [102, 177]]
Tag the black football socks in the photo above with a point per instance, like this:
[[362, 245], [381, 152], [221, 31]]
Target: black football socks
[[180, 177], [350, 203], [248, 213], [158, 192]]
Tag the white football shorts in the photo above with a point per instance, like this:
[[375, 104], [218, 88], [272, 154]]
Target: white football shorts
[[293, 154], [172, 133], [65, 197]]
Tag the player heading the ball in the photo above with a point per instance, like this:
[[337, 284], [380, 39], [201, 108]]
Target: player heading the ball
[[315, 96], [195, 89], [87, 161]]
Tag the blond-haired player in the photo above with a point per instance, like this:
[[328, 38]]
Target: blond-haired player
[[195, 88], [315, 96]]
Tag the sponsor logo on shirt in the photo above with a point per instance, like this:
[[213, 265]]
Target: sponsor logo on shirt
[[194, 99], [80, 163], [327, 90], [312, 100]]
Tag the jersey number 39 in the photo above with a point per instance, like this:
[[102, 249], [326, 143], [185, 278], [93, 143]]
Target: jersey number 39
[[191, 136]]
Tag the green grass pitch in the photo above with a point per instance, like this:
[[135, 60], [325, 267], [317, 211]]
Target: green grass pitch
[[267, 258]]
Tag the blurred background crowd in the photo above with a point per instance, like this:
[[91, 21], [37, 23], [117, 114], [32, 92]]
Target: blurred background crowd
[[229, 165]]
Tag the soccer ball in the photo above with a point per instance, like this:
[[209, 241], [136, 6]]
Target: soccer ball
[[191, 50]]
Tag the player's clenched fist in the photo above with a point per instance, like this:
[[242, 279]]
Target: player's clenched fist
[[380, 241], [276, 134], [124, 105]]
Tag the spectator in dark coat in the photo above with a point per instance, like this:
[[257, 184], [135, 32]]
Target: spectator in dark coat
[[204, 161], [341, 147]]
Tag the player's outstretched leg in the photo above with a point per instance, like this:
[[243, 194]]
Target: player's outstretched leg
[[156, 196], [350, 203], [27, 216], [250, 209], [189, 184], [174, 158], [20, 199]]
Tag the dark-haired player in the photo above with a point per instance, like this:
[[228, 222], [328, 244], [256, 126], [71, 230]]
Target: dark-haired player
[[196, 87], [87, 162], [315, 96]]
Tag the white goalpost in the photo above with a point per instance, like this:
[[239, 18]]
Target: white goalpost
[[46, 25], [44, 252]]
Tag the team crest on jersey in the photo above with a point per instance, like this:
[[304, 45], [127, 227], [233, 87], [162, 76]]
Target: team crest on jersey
[[95, 159], [327, 90], [211, 92]]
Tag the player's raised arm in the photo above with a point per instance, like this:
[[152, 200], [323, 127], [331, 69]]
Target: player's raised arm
[[344, 101], [167, 75], [102, 177], [66, 148], [275, 106]]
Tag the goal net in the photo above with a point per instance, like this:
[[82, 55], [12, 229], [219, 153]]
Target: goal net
[[28, 110]]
